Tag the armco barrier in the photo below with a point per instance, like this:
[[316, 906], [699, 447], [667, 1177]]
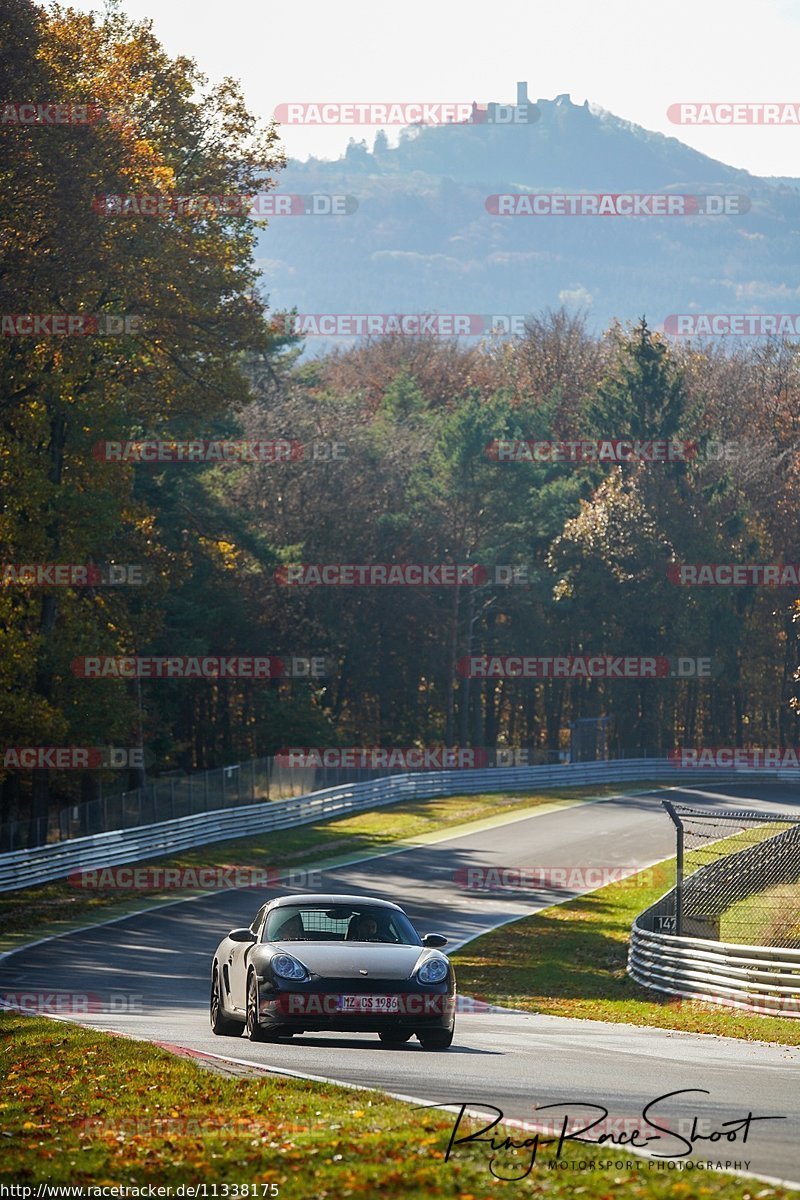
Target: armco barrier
[[764, 979], [24, 868]]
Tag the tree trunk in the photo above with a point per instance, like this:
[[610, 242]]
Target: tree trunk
[[452, 658]]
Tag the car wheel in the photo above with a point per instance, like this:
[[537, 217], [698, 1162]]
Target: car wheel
[[436, 1039], [395, 1037], [256, 1032], [222, 1025]]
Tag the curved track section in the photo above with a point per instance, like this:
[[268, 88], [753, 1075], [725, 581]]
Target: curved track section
[[512, 1061]]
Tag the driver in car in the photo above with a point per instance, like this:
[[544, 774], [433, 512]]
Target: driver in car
[[367, 930], [291, 930]]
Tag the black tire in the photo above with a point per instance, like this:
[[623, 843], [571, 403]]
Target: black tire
[[252, 1027], [256, 1032], [436, 1039], [221, 1024], [395, 1037]]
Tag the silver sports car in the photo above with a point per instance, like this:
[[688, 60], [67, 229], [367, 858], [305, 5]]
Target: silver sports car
[[347, 963]]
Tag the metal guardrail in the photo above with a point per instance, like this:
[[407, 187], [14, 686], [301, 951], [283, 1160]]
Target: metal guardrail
[[166, 797], [25, 868], [762, 979]]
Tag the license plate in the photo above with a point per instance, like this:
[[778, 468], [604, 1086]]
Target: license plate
[[368, 1004]]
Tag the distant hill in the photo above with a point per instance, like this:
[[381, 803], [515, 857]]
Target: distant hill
[[421, 239]]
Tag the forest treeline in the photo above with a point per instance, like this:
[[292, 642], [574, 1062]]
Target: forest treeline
[[397, 467]]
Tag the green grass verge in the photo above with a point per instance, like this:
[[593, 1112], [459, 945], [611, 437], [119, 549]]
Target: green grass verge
[[771, 917], [570, 961], [767, 918], [58, 906], [122, 1112]]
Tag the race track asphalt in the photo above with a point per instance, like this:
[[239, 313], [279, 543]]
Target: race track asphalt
[[154, 967]]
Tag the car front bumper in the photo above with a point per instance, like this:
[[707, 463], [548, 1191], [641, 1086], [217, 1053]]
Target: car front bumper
[[317, 1007]]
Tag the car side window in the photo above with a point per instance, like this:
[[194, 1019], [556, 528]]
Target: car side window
[[259, 921]]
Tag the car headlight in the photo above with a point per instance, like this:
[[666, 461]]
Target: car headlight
[[433, 970], [287, 967]]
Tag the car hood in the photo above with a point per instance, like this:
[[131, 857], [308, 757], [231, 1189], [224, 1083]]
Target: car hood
[[347, 960]]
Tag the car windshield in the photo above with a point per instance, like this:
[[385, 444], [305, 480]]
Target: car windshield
[[339, 923]]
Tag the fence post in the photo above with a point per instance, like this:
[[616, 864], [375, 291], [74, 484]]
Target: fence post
[[678, 866]]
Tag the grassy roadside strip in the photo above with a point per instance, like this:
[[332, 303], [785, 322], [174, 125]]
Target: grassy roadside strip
[[119, 1111], [59, 906], [766, 915], [569, 961]]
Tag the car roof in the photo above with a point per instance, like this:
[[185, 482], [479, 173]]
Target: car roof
[[329, 899]]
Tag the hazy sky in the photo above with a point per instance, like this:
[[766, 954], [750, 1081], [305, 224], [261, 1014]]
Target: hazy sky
[[633, 59]]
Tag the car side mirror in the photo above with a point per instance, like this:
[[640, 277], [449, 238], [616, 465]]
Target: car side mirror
[[434, 940], [242, 935]]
